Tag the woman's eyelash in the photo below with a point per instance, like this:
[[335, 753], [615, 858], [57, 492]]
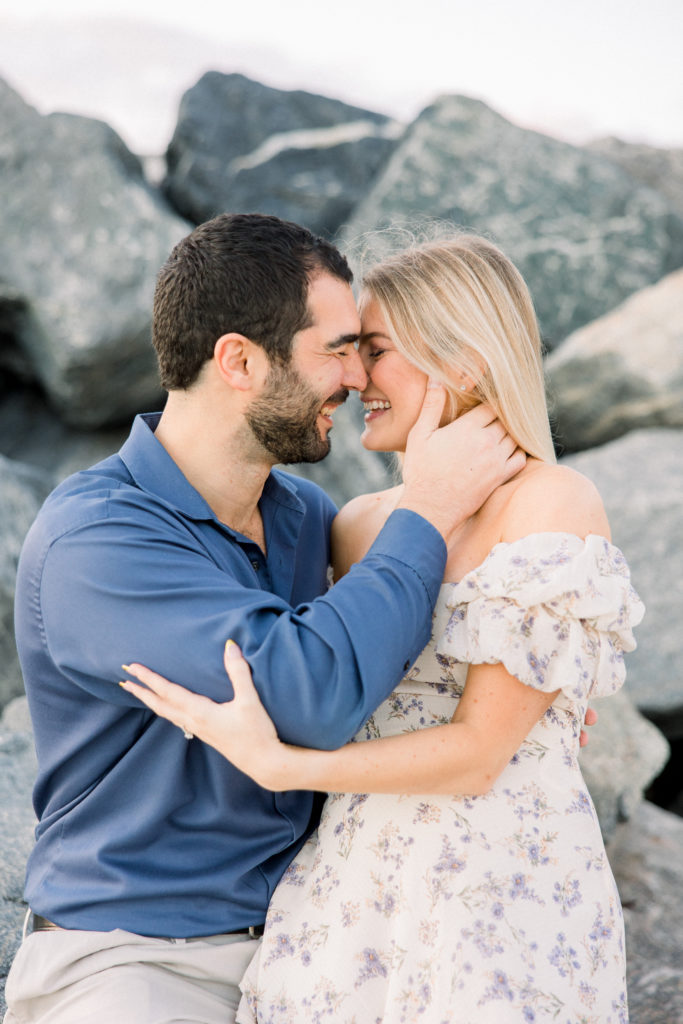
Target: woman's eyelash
[[376, 353]]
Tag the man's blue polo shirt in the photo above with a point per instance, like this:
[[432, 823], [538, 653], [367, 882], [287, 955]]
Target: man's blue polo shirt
[[140, 828]]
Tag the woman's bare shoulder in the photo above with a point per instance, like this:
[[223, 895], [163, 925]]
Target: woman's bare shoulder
[[357, 524], [554, 499]]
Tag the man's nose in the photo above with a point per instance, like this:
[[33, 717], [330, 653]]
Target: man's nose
[[355, 376]]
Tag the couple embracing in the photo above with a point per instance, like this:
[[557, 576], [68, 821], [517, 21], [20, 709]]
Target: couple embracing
[[436, 692]]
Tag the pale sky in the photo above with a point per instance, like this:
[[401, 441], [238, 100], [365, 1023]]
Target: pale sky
[[575, 69]]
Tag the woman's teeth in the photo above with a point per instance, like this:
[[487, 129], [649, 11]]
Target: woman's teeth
[[375, 405]]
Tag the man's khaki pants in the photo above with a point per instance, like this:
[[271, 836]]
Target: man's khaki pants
[[79, 977]]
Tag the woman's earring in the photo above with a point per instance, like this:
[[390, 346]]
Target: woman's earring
[[463, 387]]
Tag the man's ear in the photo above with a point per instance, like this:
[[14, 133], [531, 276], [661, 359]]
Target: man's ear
[[239, 361]]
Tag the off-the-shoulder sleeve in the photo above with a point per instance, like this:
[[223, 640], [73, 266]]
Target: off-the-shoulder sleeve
[[556, 610]]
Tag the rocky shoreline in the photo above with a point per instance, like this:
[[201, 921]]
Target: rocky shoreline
[[598, 233]]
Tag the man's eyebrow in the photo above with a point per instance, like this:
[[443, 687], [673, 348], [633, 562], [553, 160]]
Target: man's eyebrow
[[341, 342]]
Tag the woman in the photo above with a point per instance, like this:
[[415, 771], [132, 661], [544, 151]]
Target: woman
[[458, 873]]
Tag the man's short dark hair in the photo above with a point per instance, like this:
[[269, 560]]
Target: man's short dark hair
[[243, 273]]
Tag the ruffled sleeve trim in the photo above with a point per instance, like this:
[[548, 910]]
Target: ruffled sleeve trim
[[556, 610]]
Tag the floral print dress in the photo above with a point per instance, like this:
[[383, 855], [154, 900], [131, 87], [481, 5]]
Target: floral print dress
[[471, 910]]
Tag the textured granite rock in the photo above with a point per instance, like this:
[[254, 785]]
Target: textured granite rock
[[661, 169], [22, 491], [15, 327], [624, 755], [31, 432], [83, 237], [243, 146], [583, 232], [647, 859], [640, 477], [623, 371], [17, 821]]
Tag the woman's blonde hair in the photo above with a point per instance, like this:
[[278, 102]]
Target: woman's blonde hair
[[458, 308]]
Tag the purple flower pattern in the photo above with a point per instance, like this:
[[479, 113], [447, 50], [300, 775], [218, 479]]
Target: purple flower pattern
[[495, 909]]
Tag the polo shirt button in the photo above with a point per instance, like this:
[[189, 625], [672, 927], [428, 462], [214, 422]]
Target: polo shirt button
[[255, 564]]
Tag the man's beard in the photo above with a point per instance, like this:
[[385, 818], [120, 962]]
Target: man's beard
[[284, 418]]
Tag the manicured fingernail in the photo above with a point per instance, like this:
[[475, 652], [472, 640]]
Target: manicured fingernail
[[231, 649], [126, 668], [434, 383], [123, 684]]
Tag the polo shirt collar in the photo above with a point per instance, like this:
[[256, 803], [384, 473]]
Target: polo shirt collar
[[155, 472]]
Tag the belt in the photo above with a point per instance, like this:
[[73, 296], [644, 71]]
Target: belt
[[36, 923]]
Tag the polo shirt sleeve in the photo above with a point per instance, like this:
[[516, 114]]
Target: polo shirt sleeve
[[121, 590]]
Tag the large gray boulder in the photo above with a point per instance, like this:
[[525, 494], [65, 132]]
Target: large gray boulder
[[624, 755], [31, 432], [17, 822], [83, 237], [14, 328], [583, 233], [661, 169], [622, 372], [640, 477], [245, 147], [22, 491], [647, 860]]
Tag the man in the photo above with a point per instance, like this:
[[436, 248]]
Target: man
[[155, 858]]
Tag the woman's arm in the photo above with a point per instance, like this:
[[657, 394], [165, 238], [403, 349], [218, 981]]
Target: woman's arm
[[494, 715], [466, 756]]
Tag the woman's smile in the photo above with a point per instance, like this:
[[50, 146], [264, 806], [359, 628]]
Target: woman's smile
[[374, 407], [396, 388]]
